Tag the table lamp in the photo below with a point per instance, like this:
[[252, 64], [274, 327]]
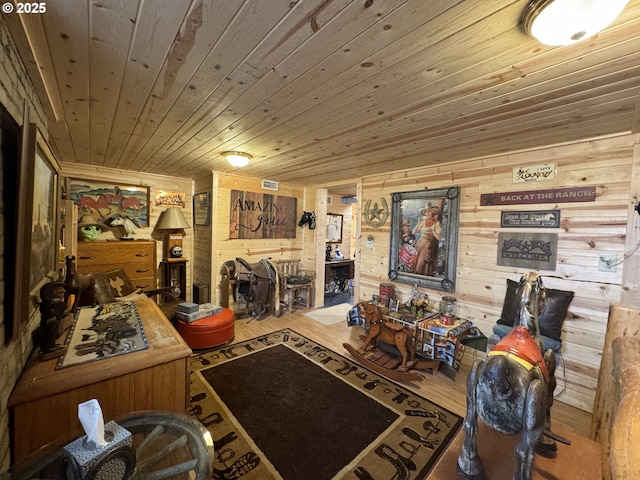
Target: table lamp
[[174, 222]]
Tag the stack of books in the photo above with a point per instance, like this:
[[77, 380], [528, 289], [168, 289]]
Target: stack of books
[[191, 312]]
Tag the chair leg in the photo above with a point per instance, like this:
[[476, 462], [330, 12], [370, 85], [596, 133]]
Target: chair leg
[[292, 295]]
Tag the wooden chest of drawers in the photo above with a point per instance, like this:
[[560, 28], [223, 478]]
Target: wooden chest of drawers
[[136, 257]]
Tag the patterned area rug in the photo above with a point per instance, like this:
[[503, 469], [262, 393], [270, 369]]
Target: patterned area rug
[[282, 406]]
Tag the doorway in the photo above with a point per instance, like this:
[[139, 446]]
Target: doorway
[[341, 246]]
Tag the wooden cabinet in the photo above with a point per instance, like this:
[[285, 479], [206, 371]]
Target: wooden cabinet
[[44, 402], [136, 257]]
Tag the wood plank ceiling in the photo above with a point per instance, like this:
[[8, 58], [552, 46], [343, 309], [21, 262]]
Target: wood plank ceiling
[[318, 90]]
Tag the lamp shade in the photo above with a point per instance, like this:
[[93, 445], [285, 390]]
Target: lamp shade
[[172, 219], [563, 22]]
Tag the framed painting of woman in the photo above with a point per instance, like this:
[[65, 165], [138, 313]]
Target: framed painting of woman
[[424, 237]]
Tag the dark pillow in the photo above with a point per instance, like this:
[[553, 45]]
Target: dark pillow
[[552, 316], [555, 309]]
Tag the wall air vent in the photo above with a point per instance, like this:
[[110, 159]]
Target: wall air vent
[[349, 199], [269, 185]]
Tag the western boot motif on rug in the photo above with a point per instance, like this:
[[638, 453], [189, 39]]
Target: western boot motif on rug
[[290, 408]]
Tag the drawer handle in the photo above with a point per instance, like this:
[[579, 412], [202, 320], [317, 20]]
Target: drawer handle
[[86, 257], [142, 270], [142, 254]]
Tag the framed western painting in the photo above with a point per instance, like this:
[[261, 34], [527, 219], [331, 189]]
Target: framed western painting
[[37, 258], [104, 201], [424, 237]]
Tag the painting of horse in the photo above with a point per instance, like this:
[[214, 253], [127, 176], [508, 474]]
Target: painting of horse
[[103, 200]]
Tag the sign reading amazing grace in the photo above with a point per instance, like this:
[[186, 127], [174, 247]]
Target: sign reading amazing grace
[[262, 215]]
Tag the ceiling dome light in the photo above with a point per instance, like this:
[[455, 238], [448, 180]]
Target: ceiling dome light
[[237, 159], [563, 22]]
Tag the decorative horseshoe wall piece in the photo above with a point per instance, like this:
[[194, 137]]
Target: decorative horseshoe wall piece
[[376, 216]]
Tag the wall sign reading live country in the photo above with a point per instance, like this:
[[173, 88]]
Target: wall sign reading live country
[[554, 195]]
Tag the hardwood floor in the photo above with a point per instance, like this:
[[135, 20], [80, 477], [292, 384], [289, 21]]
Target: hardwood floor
[[438, 388]]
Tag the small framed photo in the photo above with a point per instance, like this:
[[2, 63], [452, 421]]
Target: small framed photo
[[393, 304], [201, 208]]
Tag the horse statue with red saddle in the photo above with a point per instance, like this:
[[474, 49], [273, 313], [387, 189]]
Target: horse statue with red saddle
[[512, 390]]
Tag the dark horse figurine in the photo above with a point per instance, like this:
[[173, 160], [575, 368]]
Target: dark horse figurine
[[79, 284], [512, 390]]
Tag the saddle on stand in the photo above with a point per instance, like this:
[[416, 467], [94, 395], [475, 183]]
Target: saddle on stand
[[253, 287]]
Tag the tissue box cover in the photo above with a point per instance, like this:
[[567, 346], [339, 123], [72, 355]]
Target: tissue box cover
[[87, 459]]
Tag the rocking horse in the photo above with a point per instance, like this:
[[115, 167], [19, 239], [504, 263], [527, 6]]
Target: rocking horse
[[382, 360], [512, 390], [392, 333]]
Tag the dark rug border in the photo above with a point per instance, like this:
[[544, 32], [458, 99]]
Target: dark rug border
[[352, 366]]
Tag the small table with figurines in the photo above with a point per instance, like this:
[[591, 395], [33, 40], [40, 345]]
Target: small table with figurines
[[439, 335]]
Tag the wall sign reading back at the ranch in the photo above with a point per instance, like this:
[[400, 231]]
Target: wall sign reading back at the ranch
[[262, 215], [554, 195]]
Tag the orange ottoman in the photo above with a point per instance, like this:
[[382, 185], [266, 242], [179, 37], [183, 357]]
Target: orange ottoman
[[209, 331]]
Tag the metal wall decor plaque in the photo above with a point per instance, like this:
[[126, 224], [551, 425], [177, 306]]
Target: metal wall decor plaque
[[530, 219], [553, 195], [534, 250]]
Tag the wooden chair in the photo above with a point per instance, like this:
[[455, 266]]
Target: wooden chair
[[293, 282], [115, 284]]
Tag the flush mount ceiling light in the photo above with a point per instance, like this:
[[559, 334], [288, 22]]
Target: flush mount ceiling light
[[237, 159], [563, 22]]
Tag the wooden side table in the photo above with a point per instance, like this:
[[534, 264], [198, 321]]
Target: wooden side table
[[175, 274], [44, 402]]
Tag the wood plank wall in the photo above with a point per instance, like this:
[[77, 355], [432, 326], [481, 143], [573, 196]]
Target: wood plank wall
[[156, 183], [587, 229], [252, 250]]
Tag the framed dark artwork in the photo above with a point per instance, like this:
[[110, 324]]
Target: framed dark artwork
[[334, 228], [201, 208], [104, 200], [37, 259], [424, 237]]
